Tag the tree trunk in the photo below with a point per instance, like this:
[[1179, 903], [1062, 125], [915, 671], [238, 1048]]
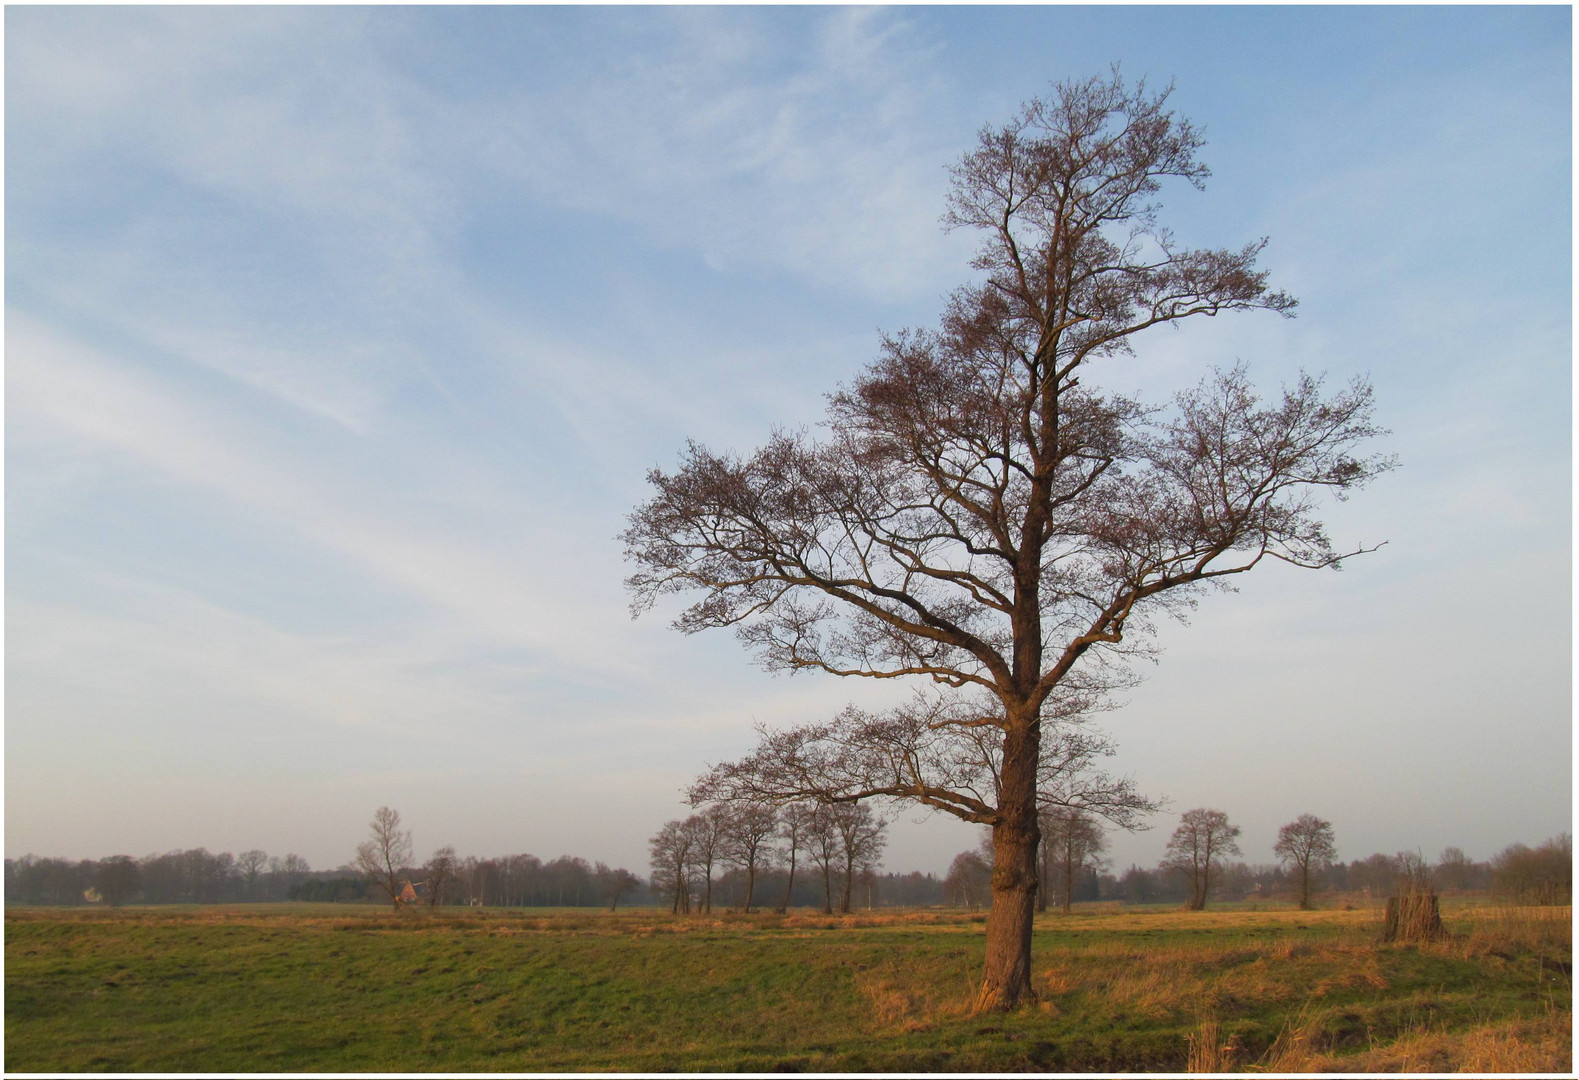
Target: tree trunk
[[1006, 980], [790, 884], [827, 890], [751, 884], [1304, 887]]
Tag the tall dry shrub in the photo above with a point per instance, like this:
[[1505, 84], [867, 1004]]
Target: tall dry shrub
[[1413, 914]]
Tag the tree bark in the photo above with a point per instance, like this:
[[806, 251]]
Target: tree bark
[[1042, 878], [1006, 979], [790, 884], [1069, 871]]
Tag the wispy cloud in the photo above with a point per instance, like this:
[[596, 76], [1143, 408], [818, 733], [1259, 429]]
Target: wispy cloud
[[824, 159], [532, 603]]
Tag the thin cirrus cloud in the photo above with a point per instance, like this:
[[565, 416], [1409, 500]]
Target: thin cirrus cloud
[[59, 382], [821, 160], [339, 341]]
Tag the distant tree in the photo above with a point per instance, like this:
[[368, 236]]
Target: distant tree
[[868, 880], [794, 827], [671, 863], [286, 873], [1541, 875], [822, 842], [1201, 841], [861, 841], [1137, 886], [1374, 874], [250, 865], [969, 880], [1074, 841], [568, 880], [384, 857], [612, 884], [913, 889], [749, 828], [1307, 846], [164, 879], [442, 870], [1455, 870], [1413, 869], [708, 838], [118, 879]]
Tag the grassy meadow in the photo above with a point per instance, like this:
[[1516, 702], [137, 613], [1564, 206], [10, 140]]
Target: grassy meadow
[[332, 988]]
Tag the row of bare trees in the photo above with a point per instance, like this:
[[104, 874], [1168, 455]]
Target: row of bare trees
[[841, 841]]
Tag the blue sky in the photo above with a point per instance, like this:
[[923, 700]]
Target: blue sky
[[339, 341]]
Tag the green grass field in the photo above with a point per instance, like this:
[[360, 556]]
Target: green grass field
[[332, 989]]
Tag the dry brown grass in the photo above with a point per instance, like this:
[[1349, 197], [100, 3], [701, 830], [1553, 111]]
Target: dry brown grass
[[1297, 1046], [1502, 930], [900, 1002], [1543, 1045], [1209, 1051]]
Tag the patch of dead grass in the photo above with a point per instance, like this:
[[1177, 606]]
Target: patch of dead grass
[[1209, 1051], [898, 1003], [1537, 1045]]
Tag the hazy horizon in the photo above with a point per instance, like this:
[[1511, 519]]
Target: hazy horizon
[[339, 342]]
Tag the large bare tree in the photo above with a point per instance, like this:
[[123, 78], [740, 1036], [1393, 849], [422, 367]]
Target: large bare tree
[[822, 842], [980, 512], [708, 835], [861, 842], [384, 857], [1197, 847], [671, 863], [749, 829], [1072, 839], [795, 821], [1306, 844]]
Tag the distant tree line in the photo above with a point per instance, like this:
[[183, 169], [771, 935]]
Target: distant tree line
[[826, 876], [527, 881], [386, 865], [1196, 868], [196, 876]]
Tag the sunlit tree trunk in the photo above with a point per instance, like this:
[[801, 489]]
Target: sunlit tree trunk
[[1007, 975]]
